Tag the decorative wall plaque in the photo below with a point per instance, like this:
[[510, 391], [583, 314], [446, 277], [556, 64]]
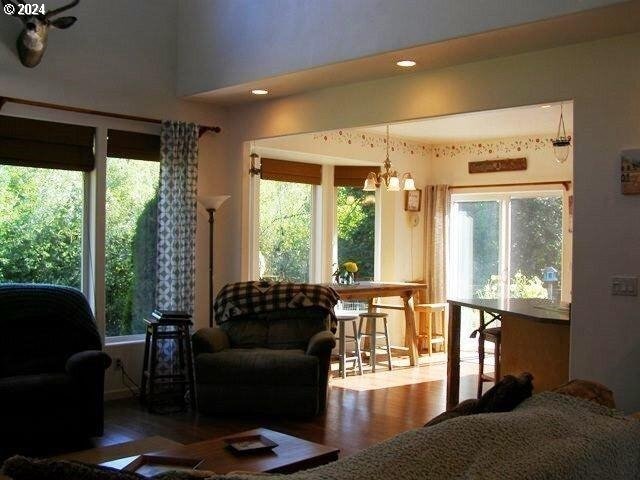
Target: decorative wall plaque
[[630, 178], [412, 200], [504, 165]]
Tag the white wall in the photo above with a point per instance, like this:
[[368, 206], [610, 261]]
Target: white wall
[[603, 79], [229, 42], [450, 161], [120, 57]]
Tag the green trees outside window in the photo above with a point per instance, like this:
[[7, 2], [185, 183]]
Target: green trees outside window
[[40, 225], [532, 230], [356, 223], [130, 244], [285, 231]]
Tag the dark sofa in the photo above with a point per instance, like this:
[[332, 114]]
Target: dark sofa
[[51, 365]]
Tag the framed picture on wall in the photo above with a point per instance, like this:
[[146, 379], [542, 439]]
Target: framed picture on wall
[[412, 200]]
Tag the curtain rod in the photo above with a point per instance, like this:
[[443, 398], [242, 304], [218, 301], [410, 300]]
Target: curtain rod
[[564, 183], [4, 100]]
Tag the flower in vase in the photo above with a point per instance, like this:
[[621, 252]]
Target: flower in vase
[[351, 267]]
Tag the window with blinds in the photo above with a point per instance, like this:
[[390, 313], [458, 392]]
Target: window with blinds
[[42, 200], [351, 176], [293, 172], [35, 143]]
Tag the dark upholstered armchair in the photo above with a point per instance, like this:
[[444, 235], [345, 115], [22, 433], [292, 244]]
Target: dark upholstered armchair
[[51, 364], [274, 362]]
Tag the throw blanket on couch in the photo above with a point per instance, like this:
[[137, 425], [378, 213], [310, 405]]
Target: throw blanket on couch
[[549, 436], [244, 298]]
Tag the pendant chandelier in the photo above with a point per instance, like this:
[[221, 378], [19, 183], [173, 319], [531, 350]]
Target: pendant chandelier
[[562, 142], [389, 177]]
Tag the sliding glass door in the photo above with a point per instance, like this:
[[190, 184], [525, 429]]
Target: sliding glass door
[[506, 245], [476, 260]]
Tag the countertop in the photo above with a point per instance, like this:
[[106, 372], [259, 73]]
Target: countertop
[[535, 309]]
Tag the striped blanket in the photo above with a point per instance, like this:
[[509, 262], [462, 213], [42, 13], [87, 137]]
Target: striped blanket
[[244, 298]]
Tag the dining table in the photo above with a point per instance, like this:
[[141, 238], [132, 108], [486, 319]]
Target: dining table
[[369, 291]]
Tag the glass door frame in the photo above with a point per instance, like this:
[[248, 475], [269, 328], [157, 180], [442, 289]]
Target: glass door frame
[[504, 255]]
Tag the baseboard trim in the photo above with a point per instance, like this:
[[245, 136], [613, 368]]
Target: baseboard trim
[[117, 394]]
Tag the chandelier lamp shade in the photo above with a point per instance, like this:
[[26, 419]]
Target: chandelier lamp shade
[[211, 205], [562, 142], [389, 177]]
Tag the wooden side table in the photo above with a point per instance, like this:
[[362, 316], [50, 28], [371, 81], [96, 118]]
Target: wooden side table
[[157, 386]]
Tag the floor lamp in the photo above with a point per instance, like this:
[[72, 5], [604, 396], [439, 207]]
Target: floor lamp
[[211, 204]]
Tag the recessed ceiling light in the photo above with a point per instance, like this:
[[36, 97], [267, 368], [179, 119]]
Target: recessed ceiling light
[[406, 63], [259, 91], [545, 106]]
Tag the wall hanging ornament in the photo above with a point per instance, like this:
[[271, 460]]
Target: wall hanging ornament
[[562, 142]]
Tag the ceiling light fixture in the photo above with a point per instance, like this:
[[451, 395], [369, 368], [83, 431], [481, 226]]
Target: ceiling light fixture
[[406, 63], [259, 91], [389, 177], [562, 142]]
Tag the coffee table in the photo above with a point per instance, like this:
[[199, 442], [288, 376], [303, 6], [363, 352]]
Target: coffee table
[[291, 454]]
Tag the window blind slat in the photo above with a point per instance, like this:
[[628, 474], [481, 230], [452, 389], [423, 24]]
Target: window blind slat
[[286, 171], [132, 145], [351, 176], [36, 143]]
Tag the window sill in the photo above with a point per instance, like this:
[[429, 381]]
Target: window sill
[[124, 340]]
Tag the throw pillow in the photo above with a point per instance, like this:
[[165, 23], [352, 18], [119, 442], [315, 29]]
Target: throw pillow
[[596, 392]]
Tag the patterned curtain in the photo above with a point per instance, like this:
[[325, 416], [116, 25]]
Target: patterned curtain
[[437, 201], [175, 278]]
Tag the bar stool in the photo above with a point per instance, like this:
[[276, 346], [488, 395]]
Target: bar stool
[[493, 335], [433, 311], [373, 334], [343, 319], [179, 380]]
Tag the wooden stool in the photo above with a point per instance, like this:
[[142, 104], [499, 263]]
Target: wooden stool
[[342, 341], [488, 335], [164, 385], [431, 310], [373, 335]]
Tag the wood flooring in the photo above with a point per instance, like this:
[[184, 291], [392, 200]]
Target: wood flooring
[[355, 417], [361, 411]]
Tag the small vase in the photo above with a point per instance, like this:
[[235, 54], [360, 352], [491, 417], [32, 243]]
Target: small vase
[[351, 278]]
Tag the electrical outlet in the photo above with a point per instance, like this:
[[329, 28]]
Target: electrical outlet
[[117, 364], [626, 285]]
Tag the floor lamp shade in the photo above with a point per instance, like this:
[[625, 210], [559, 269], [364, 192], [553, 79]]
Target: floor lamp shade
[[211, 204]]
